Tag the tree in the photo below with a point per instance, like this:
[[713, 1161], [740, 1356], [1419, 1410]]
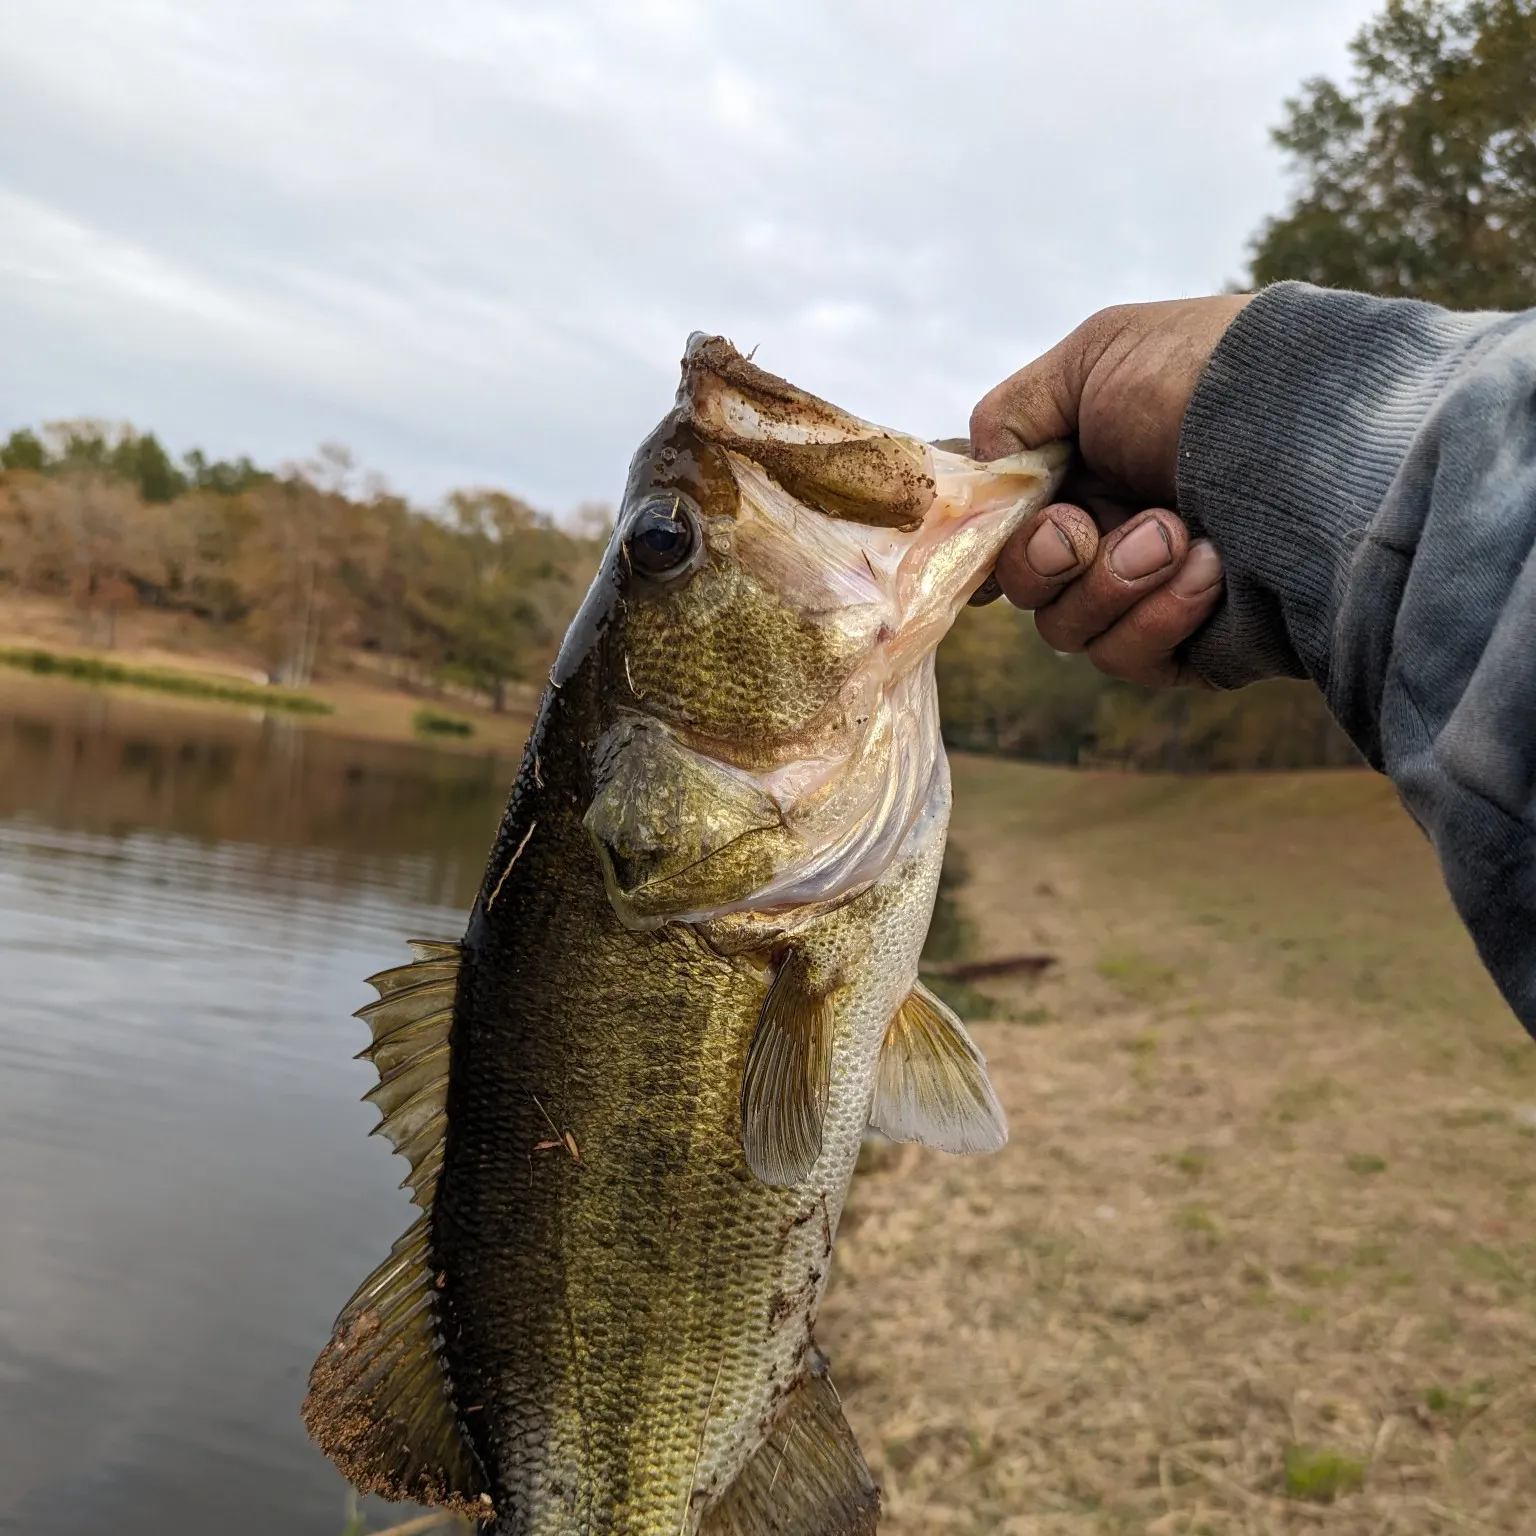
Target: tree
[[513, 594], [144, 463], [23, 450], [1420, 179]]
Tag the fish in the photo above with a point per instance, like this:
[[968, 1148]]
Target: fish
[[632, 1094]]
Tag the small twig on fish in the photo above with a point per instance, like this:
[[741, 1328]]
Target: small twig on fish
[[789, 1440], [510, 862], [698, 1455], [566, 1139], [433, 1522], [538, 778], [975, 970], [629, 677]]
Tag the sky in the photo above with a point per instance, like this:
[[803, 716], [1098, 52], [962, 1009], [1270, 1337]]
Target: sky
[[469, 238]]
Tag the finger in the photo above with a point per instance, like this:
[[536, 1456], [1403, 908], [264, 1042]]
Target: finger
[[1033, 406], [1131, 561], [1054, 547], [1142, 647]]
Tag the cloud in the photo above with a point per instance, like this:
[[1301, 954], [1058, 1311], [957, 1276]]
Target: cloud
[[470, 238]]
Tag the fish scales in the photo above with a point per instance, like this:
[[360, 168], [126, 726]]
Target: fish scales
[[687, 984]]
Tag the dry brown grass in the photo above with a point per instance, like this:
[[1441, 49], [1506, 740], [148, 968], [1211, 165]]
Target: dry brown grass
[[1259, 1256]]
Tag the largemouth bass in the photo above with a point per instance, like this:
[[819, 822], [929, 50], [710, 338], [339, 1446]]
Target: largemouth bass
[[632, 1097]]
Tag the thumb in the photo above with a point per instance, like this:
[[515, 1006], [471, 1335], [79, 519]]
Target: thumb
[[1036, 405]]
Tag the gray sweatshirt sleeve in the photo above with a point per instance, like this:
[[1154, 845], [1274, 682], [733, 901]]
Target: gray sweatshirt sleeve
[[1367, 468]]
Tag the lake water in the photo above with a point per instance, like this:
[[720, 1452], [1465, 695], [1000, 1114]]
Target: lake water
[[188, 906]]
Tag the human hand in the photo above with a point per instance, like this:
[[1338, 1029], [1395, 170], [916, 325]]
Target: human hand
[[1110, 570]]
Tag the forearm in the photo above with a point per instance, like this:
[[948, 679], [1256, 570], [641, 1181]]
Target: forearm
[[1368, 471]]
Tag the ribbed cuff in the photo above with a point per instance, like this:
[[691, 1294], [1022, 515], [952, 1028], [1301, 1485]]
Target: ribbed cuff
[[1302, 418]]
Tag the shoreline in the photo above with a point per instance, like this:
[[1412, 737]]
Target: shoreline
[[351, 705]]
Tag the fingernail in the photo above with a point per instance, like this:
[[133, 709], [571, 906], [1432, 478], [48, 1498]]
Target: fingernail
[[1200, 572], [1049, 552], [1140, 552]]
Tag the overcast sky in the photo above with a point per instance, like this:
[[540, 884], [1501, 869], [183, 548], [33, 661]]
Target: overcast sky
[[469, 237]]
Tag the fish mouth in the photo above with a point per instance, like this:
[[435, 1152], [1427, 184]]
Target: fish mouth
[[977, 507]]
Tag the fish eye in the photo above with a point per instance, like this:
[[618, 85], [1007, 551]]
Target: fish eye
[[662, 538]]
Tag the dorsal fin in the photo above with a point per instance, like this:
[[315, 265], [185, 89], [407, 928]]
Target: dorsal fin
[[410, 1024], [787, 1078], [808, 1478], [379, 1402], [932, 1084]]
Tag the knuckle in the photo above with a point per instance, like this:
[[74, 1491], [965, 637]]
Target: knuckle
[[1127, 665], [1056, 632], [985, 414], [1109, 320], [1109, 661]]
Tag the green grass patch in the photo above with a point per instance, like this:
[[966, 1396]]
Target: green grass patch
[[1138, 977], [1319, 1475], [188, 685], [1489, 1264], [1298, 1101], [1366, 1162], [1032, 1017], [1200, 1228], [432, 722], [1466, 1119]]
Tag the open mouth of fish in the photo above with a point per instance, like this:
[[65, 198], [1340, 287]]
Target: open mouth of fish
[[631, 1097]]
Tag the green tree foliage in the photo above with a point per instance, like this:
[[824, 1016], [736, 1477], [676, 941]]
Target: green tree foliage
[[118, 453], [505, 594], [1003, 689], [23, 450], [225, 477], [1419, 178]]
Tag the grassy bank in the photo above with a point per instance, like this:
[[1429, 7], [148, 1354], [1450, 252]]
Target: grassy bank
[[180, 662], [1258, 1257], [188, 685]]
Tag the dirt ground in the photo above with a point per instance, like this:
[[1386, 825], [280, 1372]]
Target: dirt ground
[[1259, 1255]]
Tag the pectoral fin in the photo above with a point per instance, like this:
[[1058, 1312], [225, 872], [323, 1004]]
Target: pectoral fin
[[789, 1069], [808, 1478], [932, 1085]]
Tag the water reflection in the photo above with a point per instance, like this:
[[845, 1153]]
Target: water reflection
[[188, 905]]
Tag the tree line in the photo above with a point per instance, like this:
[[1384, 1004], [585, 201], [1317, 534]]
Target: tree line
[[298, 564]]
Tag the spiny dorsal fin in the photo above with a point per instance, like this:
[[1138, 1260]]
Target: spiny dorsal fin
[[379, 1402], [808, 1478], [410, 1024], [932, 1084], [789, 1071]]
